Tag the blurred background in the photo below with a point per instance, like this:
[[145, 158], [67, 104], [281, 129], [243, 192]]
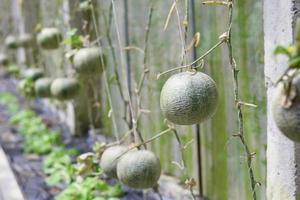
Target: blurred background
[[215, 159]]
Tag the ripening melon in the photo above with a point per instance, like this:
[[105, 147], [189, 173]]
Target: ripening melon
[[42, 87], [11, 42], [26, 40], [34, 73], [49, 38], [88, 61], [110, 158], [139, 169], [4, 59], [189, 98], [287, 118], [65, 88]]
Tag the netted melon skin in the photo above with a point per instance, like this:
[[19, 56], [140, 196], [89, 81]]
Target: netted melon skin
[[139, 169], [287, 119], [42, 87], [189, 98], [109, 160], [49, 38], [87, 61], [65, 88]]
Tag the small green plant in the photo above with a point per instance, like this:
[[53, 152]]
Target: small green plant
[[73, 39], [58, 166], [37, 138], [285, 102], [10, 101], [81, 179], [91, 188], [291, 52]]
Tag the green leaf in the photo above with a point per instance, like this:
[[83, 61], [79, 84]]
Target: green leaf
[[281, 50], [99, 198], [115, 191], [294, 62], [73, 39]]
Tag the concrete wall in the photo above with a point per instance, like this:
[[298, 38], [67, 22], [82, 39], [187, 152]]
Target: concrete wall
[[283, 154]]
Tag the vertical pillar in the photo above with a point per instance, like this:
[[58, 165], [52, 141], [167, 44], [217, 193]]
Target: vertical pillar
[[283, 155]]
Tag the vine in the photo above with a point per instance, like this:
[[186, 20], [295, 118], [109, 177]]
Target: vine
[[190, 182], [227, 38], [238, 102]]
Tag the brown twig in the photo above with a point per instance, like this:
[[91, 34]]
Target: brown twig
[[107, 89], [221, 41], [145, 142], [185, 32], [183, 162], [146, 69], [235, 72], [145, 59], [115, 63]]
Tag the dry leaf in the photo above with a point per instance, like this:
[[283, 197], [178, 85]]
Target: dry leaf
[[289, 94], [169, 15], [195, 41], [216, 3], [128, 48]]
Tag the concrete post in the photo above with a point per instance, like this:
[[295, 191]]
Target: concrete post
[[283, 155]]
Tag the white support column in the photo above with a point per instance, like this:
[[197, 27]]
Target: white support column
[[283, 155]]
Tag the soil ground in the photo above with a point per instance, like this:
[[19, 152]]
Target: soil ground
[[28, 168]]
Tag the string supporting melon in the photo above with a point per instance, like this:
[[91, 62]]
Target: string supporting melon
[[139, 169], [65, 88], [49, 38], [286, 109], [42, 87], [109, 160], [87, 61], [189, 98]]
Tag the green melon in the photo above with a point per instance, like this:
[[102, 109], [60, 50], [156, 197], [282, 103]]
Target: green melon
[[287, 119], [189, 98], [139, 169], [88, 61], [42, 87], [4, 60], [65, 88], [34, 73], [109, 160], [11, 42], [26, 40], [49, 38]]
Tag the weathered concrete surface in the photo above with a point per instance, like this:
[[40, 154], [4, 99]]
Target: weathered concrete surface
[[283, 155], [9, 188]]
